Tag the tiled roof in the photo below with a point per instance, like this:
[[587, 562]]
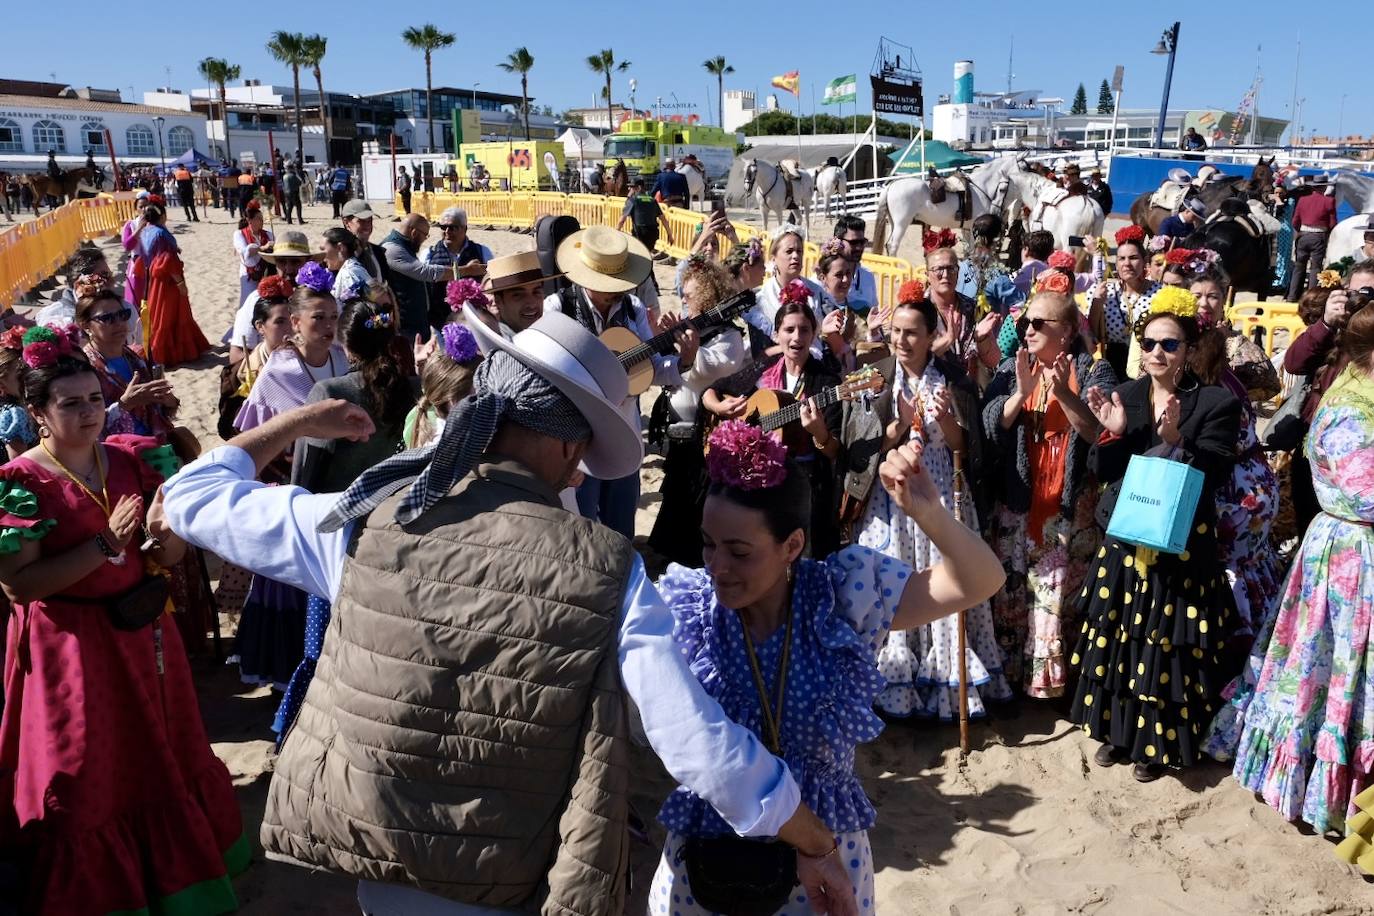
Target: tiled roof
[[32, 101]]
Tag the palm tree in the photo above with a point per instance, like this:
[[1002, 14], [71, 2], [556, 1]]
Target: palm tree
[[289, 48], [428, 39], [605, 64], [314, 48], [718, 67], [218, 71], [521, 61]]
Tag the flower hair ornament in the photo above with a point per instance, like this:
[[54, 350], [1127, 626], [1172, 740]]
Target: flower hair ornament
[[795, 291], [44, 345], [1158, 243], [459, 344], [1179, 256], [1172, 300], [1129, 234], [380, 320], [316, 276], [13, 339], [155, 200], [1327, 279], [1054, 281], [1062, 260], [89, 285], [276, 286], [832, 247], [465, 291], [911, 291], [754, 251], [932, 239], [745, 457]]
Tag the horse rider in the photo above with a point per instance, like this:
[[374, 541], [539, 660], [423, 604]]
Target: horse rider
[[54, 170], [1100, 191], [1179, 226], [670, 188]]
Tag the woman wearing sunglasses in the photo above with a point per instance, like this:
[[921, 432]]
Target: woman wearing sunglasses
[[138, 400], [1152, 655], [1042, 525]]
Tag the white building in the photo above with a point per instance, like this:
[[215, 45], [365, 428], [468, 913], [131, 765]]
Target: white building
[[249, 122], [31, 125], [740, 108]]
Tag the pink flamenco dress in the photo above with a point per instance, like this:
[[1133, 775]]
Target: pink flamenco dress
[[113, 801]]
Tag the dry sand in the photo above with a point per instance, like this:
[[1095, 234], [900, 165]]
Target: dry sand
[[1025, 825]]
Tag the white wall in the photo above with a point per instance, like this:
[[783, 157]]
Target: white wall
[[377, 173], [71, 120], [242, 139]]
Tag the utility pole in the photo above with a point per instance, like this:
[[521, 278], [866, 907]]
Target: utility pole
[[1293, 105]]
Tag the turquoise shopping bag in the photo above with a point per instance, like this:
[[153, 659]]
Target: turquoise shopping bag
[[1156, 505]]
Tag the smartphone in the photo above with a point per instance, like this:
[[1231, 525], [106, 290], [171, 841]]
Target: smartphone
[[718, 206], [1075, 241]]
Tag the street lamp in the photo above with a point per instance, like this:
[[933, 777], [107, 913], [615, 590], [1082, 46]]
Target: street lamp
[[159, 121], [1168, 44]]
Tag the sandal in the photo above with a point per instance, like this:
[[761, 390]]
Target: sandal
[[1147, 772], [1109, 755]]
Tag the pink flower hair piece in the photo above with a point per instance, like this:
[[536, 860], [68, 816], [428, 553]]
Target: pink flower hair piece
[[795, 291], [745, 457], [1062, 260], [463, 291]]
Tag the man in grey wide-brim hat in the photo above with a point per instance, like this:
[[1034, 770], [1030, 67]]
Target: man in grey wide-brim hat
[[463, 747]]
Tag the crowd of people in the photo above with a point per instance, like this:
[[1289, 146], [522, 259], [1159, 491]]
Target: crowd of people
[[426, 510]]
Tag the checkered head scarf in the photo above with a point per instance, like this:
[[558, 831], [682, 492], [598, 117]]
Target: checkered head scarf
[[503, 389]]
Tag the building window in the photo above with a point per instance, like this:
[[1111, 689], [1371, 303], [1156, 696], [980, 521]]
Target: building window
[[141, 140], [11, 137], [48, 135], [93, 137], [179, 140]]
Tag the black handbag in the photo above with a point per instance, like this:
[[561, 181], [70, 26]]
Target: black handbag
[[140, 605], [739, 876], [1286, 428]]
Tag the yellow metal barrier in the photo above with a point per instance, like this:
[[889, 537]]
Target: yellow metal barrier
[[1278, 322], [33, 251], [522, 209]]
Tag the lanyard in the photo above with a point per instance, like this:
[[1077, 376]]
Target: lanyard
[[772, 721]]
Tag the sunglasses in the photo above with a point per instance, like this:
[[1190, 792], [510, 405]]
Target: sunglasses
[[857, 243], [944, 269], [123, 314], [1037, 324], [1168, 344], [445, 227]]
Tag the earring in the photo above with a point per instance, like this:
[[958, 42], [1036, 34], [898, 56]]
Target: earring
[[791, 570], [43, 431]]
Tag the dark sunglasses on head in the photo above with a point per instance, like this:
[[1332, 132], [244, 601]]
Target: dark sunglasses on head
[[1036, 323], [1169, 344], [123, 314]]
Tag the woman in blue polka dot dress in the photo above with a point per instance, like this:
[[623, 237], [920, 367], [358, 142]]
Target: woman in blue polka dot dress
[[760, 612]]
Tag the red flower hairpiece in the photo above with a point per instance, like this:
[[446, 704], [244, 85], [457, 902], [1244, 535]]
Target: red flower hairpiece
[[89, 285], [911, 291], [13, 339], [44, 345], [745, 457], [795, 291], [1129, 234], [276, 286], [1052, 281], [1179, 256], [1062, 260], [157, 200], [943, 238]]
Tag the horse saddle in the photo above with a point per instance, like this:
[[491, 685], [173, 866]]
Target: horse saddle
[[790, 168], [938, 188], [1240, 212], [1170, 196]]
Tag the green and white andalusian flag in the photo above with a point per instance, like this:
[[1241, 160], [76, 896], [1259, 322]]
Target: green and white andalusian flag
[[844, 89]]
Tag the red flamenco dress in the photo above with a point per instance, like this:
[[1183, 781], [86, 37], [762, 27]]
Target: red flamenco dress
[[111, 800], [173, 332]]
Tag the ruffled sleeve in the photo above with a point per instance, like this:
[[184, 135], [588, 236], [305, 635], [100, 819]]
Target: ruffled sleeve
[[19, 519], [690, 597], [153, 460], [868, 590], [16, 426]]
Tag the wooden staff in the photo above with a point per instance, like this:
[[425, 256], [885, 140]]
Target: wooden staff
[[963, 614]]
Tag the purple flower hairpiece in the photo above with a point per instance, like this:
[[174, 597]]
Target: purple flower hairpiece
[[316, 276], [459, 344], [745, 457], [832, 246], [463, 291]]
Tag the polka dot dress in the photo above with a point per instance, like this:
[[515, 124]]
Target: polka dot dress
[[842, 610], [1123, 308], [316, 622], [1150, 651], [921, 665]]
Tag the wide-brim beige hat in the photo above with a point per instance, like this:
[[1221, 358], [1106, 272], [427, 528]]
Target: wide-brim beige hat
[[604, 260], [291, 245], [512, 270], [568, 356]]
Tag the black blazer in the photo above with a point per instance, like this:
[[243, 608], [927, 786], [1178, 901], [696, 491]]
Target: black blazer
[[1209, 422]]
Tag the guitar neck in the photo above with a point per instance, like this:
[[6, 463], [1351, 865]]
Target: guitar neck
[[662, 344], [780, 418]]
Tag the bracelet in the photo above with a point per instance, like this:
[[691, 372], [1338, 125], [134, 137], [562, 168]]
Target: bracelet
[[105, 547], [834, 849]]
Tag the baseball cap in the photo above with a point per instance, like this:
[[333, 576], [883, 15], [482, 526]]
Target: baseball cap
[[358, 208]]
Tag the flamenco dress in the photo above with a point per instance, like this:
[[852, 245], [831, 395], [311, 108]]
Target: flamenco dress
[[114, 802], [173, 334]]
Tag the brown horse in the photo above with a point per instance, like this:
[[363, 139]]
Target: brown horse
[[1148, 217], [617, 180], [42, 185]]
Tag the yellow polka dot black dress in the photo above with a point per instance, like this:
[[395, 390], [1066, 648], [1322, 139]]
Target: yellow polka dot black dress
[[1150, 655]]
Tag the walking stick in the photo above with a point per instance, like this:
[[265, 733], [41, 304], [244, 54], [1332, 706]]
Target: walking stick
[[959, 513]]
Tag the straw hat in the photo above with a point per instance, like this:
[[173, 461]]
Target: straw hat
[[604, 260], [512, 270], [291, 245]]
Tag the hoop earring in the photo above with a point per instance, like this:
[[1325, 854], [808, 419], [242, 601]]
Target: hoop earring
[[43, 431]]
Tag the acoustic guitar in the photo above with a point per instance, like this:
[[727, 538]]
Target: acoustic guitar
[[778, 411], [635, 353]]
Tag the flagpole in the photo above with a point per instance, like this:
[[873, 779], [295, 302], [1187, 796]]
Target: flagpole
[[813, 108]]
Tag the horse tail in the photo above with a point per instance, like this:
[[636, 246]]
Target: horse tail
[[880, 219]]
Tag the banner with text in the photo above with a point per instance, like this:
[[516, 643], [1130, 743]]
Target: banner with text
[[894, 97]]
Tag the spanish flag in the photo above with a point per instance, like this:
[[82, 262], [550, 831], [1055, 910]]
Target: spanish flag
[[790, 82]]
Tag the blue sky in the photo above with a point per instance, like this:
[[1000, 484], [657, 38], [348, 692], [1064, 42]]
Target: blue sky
[[666, 43]]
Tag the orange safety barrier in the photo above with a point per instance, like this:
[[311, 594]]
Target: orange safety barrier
[[31, 252], [522, 209]]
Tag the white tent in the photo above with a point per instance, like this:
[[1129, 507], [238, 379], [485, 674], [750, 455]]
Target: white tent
[[580, 143]]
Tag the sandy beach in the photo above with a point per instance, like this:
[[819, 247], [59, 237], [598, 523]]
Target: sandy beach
[[1025, 825]]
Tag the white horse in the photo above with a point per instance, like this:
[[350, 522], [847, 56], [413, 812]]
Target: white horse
[[1064, 215], [1002, 186], [830, 181], [764, 182], [1347, 238], [696, 184]]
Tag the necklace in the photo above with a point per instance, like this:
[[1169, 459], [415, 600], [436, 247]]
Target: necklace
[[772, 721], [102, 500]]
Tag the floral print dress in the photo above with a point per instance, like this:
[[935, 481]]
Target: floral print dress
[[1308, 741]]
